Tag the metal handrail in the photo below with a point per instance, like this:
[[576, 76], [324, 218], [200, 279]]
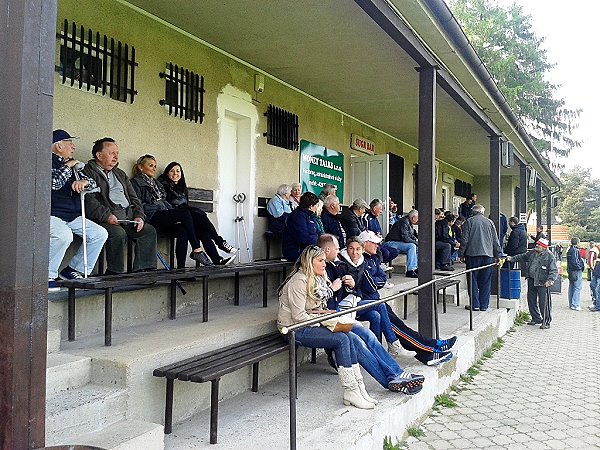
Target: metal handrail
[[291, 331]]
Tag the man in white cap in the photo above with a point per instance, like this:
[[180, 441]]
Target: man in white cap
[[541, 272]]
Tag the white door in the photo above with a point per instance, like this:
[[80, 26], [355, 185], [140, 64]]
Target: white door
[[234, 180], [370, 180]]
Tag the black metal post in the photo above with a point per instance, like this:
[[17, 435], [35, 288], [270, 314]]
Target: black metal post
[[548, 214], [495, 196], [470, 301], [426, 177], [265, 288], [538, 201], [108, 316], [173, 299], [71, 314], [204, 299], [292, 388], [236, 289], [523, 186], [169, 406]]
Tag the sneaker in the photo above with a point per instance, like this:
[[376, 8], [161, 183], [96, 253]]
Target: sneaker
[[446, 344], [395, 348], [531, 322], [447, 268], [544, 327], [577, 308], [70, 274], [467, 307], [383, 266], [226, 261], [439, 358], [388, 285], [412, 274], [202, 258], [52, 287], [406, 384], [594, 309], [228, 248]]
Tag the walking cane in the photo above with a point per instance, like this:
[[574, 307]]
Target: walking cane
[[76, 169], [239, 199]]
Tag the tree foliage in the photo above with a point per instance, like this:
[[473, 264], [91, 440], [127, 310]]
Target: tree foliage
[[579, 204], [518, 63]]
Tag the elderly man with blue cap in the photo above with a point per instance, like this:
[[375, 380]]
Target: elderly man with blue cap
[[65, 209]]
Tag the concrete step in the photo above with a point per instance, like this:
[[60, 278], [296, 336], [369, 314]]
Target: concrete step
[[70, 414], [66, 372], [126, 435], [53, 340]]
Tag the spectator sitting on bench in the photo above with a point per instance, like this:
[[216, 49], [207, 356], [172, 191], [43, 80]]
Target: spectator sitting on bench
[[295, 195], [161, 215], [388, 254], [279, 207], [352, 219], [428, 351], [303, 295], [404, 238], [444, 243], [65, 213], [328, 189], [117, 201], [173, 180], [300, 228], [331, 219]]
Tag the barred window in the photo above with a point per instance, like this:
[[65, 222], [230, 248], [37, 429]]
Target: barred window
[[184, 93], [282, 128], [102, 65]]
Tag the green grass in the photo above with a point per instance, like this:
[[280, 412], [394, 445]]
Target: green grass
[[522, 318], [444, 400], [387, 444], [415, 432]]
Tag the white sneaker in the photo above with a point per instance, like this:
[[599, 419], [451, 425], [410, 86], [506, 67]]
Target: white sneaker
[[577, 308], [388, 285], [395, 349]]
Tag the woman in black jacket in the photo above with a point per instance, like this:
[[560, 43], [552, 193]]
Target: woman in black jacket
[[173, 182], [161, 214]]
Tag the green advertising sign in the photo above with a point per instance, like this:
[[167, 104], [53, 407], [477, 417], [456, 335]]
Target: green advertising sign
[[320, 165]]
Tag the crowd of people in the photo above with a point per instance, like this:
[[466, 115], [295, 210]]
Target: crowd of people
[[119, 208]]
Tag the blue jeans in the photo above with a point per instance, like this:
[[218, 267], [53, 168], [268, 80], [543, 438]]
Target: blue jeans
[[321, 337], [373, 357], [481, 280], [575, 284], [379, 321], [596, 292], [409, 249], [593, 288], [61, 236]]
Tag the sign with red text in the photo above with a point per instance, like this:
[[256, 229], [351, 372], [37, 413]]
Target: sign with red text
[[362, 144]]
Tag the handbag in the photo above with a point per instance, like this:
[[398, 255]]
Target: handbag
[[341, 324]]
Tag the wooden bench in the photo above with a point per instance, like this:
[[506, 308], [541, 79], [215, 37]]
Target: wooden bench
[[143, 279], [213, 365]]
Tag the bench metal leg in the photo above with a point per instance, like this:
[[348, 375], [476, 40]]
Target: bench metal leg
[[236, 290], [313, 355], [71, 314], [108, 316], [457, 295], [406, 307], [214, 410], [444, 300], [129, 256], [169, 407], [268, 247], [204, 299], [173, 299], [435, 316], [265, 285], [255, 377]]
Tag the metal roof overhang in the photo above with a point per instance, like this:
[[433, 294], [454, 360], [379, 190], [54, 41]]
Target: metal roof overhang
[[360, 58]]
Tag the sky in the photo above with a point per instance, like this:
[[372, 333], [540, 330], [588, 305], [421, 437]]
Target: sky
[[570, 29]]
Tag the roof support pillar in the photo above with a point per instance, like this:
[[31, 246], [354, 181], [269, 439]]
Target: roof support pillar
[[548, 213], [523, 188], [27, 46], [495, 181], [538, 201], [426, 176]]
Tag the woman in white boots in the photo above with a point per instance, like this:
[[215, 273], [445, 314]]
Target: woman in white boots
[[304, 293]]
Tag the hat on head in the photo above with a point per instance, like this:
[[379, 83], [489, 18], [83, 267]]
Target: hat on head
[[542, 243], [61, 135], [369, 236]]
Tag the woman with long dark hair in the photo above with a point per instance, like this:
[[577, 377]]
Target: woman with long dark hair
[[162, 215], [173, 182]]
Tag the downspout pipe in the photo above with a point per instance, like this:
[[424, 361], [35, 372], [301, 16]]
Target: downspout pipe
[[457, 37]]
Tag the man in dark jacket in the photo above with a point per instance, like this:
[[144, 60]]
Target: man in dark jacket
[[352, 219], [117, 208], [403, 237], [517, 239], [388, 254], [541, 272], [331, 219], [466, 207], [575, 266], [65, 210]]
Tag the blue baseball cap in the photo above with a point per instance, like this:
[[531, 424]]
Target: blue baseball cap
[[61, 135]]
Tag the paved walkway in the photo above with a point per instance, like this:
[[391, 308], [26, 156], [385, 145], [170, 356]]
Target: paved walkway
[[540, 391]]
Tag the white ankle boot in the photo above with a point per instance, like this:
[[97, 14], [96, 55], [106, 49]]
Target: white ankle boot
[[395, 348], [352, 394], [361, 384]]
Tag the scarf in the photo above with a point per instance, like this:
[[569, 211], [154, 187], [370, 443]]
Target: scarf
[[157, 194]]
